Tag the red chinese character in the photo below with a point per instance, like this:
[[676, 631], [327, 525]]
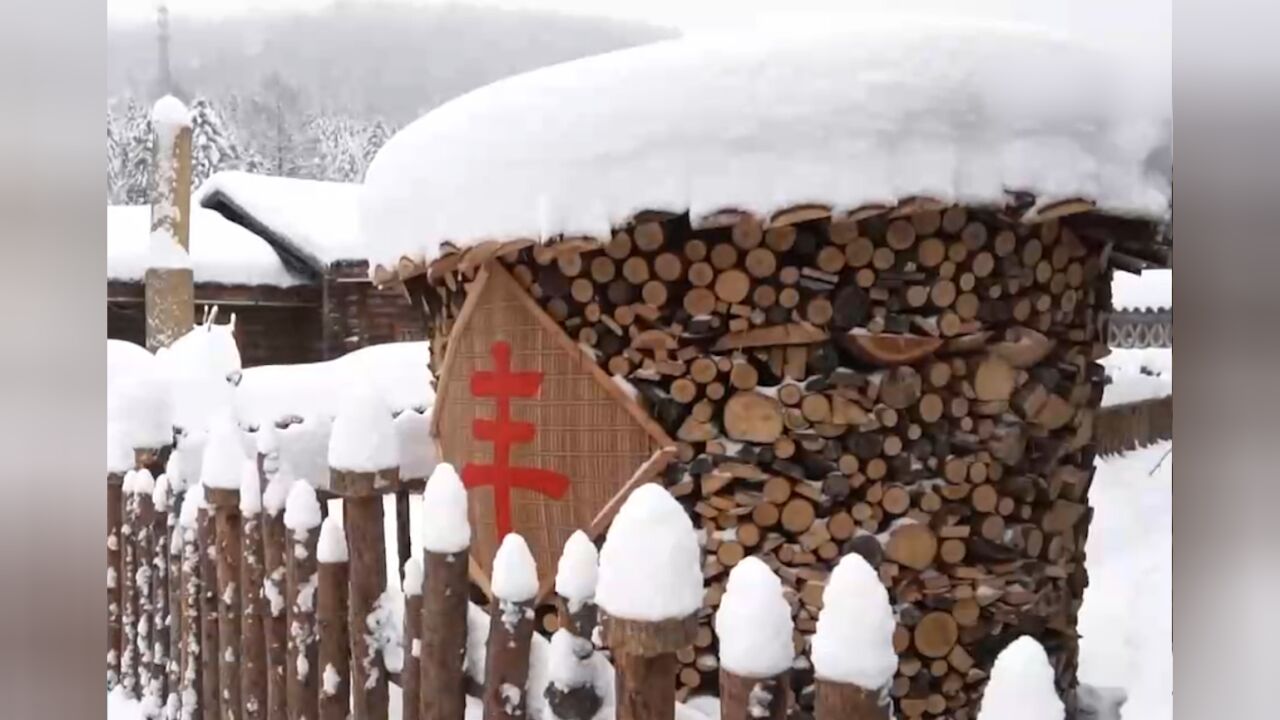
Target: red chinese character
[[502, 385]]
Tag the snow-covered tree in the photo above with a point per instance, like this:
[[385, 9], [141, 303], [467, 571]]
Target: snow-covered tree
[[375, 137], [339, 148], [134, 143], [213, 143]]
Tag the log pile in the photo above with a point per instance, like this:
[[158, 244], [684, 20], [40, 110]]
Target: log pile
[[917, 385]]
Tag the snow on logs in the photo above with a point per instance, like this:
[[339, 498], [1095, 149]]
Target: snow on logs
[[446, 534], [331, 621], [650, 589], [756, 648], [221, 473], [1021, 685], [853, 653], [302, 518], [571, 692], [514, 586], [253, 664]]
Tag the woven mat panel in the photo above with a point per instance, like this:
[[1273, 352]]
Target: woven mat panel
[[580, 430]]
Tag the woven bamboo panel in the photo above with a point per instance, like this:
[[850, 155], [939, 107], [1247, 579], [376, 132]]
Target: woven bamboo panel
[[580, 430]]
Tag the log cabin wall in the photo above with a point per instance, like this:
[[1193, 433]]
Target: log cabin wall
[[918, 387], [357, 313]]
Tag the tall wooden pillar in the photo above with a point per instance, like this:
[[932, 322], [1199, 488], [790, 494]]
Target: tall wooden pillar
[[169, 293]]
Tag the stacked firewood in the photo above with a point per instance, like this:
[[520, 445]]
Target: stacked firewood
[[917, 386]]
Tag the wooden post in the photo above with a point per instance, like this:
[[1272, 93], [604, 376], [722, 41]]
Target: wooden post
[[169, 293], [129, 593], [160, 590], [749, 698], [177, 615], [515, 584], [446, 544], [363, 516], [115, 577], [578, 614], [755, 629], [274, 551], [845, 701], [211, 700], [335, 658], [411, 673], [253, 663], [843, 693], [225, 503], [144, 542], [644, 656], [404, 545], [191, 692], [302, 518], [568, 696]]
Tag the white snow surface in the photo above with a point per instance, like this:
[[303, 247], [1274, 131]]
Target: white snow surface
[[568, 659], [276, 495], [754, 623], [221, 252], [1148, 290], [853, 642], [301, 509], [193, 502], [120, 458], [250, 488], [332, 546], [412, 584], [1021, 685], [445, 526], [364, 436], [1126, 621], [223, 463], [578, 570], [319, 220], [515, 573], [170, 114], [198, 368], [139, 482], [651, 563], [160, 494], [418, 455], [1137, 374], [868, 111], [139, 407], [302, 450]]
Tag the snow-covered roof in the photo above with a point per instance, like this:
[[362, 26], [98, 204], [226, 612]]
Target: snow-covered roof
[[1137, 374], [957, 110], [1149, 290], [315, 220], [221, 251]]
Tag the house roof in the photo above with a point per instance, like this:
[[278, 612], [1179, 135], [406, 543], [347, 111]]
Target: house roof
[[310, 222], [221, 252], [1148, 290], [957, 110]]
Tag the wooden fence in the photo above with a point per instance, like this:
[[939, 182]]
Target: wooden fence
[[223, 604], [1129, 426]]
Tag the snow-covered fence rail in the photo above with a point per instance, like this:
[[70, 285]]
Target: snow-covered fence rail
[[1133, 425]]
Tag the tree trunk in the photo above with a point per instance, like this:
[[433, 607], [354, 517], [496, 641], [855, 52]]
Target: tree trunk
[[144, 538], [645, 686], [192, 682], [129, 595], [160, 605]]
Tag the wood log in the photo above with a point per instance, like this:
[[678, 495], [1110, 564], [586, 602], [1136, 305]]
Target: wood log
[[507, 659], [645, 662], [889, 349], [444, 635], [253, 642], [750, 698], [935, 634], [302, 676], [752, 417], [275, 549], [841, 701], [211, 701], [334, 643], [912, 545]]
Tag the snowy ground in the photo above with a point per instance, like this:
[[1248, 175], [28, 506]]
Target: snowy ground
[[1126, 622]]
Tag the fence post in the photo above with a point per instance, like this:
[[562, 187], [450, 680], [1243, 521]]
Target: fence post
[[1021, 685], [274, 551], [852, 647], [755, 629], [206, 537], [302, 518], [221, 472], [160, 592], [144, 541], [177, 616], [192, 684], [571, 695], [115, 577], [332, 619], [411, 674], [514, 585], [253, 664], [446, 535], [128, 592], [650, 589]]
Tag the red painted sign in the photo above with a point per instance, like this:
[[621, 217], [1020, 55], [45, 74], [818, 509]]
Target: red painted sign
[[501, 384]]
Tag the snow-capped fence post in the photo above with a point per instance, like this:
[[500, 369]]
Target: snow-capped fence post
[[514, 584], [1021, 686], [650, 589], [160, 614], [853, 656], [411, 673], [253, 645], [191, 684], [169, 290], [302, 518], [755, 629], [364, 465], [115, 577], [274, 552], [574, 696], [221, 472], [144, 539], [446, 534], [129, 591], [331, 621], [206, 536], [176, 617]]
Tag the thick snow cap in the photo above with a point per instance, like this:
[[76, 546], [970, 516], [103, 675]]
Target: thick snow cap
[[1021, 685], [753, 622], [170, 113], [301, 509], [223, 464], [139, 482], [650, 564], [412, 584], [445, 527], [853, 642], [515, 573], [881, 109], [364, 434], [332, 546], [120, 458], [417, 448], [192, 503], [160, 494], [578, 570], [250, 488]]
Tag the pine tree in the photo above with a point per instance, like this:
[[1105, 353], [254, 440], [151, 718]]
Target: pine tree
[[115, 164], [375, 137], [341, 156], [136, 144], [213, 145]]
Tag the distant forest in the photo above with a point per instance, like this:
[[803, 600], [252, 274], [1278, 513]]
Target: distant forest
[[314, 95]]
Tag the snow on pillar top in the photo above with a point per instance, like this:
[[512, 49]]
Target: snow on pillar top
[[171, 114], [301, 509], [120, 458], [223, 464], [650, 565], [577, 573], [754, 622], [445, 527], [853, 642], [1021, 685], [515, 573], [175, 468], [250, 488], [160, 494], [275, 495], [412, 585], [364, 437], [192, 503], [332, 547], [417, 449], [139, 482]]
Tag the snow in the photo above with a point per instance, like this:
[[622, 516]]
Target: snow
[[302, 450], [515, 573], [1149, 290], [753, 622], [1137, 374], [220, 251], [250, 489], [138, 403], [650, 564], [568, 660], [175, 469], [1021, 685], [578, 570], [200, 368], [160, 494], [331, 680], [853, 642], [412, 585], [192, 503], [1126, 621], [870, 111], [120, 459], [223, 464], [301, 509], [139, 482], [445, 527], [386, 630], [170, 114], [417, 448], [315, 220], [275, 495], [364, 435], [332, 546]]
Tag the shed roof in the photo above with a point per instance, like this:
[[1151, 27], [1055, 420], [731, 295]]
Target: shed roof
[[1148, 290], [311, 222], [221, 251], [958, 110]]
